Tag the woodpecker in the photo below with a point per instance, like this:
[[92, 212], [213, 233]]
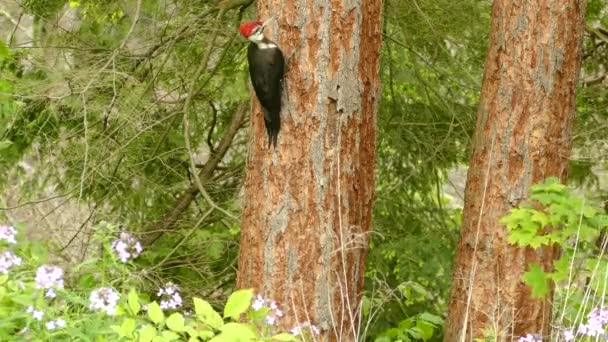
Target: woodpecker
[[266, 69]]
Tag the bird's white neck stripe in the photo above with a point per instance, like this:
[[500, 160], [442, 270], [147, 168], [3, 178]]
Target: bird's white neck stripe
[[264, 46]]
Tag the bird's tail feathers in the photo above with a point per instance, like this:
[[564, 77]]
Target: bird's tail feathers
[[272, 121]]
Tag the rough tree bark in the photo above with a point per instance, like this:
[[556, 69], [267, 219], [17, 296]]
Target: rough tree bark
[[308, 203], [522, 137]]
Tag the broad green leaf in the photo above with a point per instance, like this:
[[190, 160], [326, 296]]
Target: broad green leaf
[[238, 303], [436, 320], [133, 300], [205, 334], [147, 333], [537, 279], [191, 331], [540, 218], [416, 333], [175, 322], [284, 337], [236, 332], [128, 326], [426, 328], [206, 314], [155, 313], [170, 335]]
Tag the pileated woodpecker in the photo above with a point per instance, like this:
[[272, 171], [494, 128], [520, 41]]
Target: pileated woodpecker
[[266, 69]]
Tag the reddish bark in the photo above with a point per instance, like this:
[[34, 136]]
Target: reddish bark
[[308, 203], [522, 137]]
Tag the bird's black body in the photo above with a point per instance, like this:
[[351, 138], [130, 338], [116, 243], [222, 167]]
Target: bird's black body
[[266, 69]]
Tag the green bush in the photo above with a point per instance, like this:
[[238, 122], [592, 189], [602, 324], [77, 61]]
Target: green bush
[[38, 302]]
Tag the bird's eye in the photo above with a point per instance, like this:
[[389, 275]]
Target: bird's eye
[[257, 30]]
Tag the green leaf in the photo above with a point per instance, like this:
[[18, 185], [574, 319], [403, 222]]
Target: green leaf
[[155, 313], [426, 328], [537, 279], [175, 322], [238, 303], [133, 300], [284, 337], [170, 335], [540, 218], [4, 51], [191, 331], [562, 267], [236, 332], [116, 328], [382, 339], [206, 314], [4, 144], [434, 319], [147, 333], [128, 326]]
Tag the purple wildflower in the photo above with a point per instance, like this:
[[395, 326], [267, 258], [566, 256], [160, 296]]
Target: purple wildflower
[[49, 277], [104, 299], [127, 247], [596, 320], [258, 303], [297, 330], [36, 314], [50, 293], [7, 233], [8, 260], [530, 338], [274, 314], [170, 297], [568, 335], [56, 324]]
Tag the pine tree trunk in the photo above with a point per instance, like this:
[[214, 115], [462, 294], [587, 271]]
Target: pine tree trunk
[[523, 136], [308, 203]]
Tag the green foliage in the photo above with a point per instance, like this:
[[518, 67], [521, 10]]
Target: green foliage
[[28, 313], [418, 328], [554, 216], [95, 110], [562, 217], [432, 63]]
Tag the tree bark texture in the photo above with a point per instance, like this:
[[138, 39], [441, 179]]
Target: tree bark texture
[[308, 203], [522, 136]]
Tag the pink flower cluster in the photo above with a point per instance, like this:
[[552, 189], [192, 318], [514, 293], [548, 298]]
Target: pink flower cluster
[[297, 330], [275, 313], [104, 299], [49, 277], [7, 261], [8, 233], [596, 324], [169, 297], [127, 247]]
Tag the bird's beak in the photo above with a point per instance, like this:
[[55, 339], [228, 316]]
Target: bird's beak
[[267, 21]]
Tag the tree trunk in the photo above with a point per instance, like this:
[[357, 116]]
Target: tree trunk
[[308, 202], [522, 137]]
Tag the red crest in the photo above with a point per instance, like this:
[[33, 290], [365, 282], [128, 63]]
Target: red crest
[[248, 27]]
